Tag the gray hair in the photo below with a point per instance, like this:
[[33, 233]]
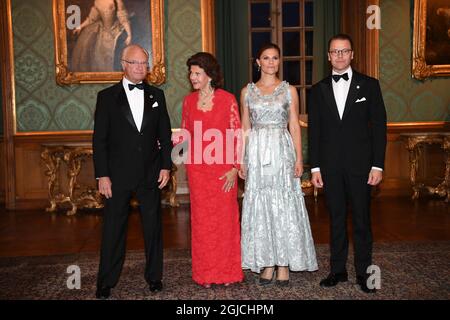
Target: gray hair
[[124, 51]]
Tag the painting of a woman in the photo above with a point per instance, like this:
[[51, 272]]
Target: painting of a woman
[[438, 33], [106, 29]]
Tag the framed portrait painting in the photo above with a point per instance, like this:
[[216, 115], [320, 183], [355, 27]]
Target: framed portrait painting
[[431, 39], [90, 36]]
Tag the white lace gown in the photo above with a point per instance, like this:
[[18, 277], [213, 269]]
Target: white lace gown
[[275, 224]]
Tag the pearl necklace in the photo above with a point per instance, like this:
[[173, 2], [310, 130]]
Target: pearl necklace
[[205, 97]]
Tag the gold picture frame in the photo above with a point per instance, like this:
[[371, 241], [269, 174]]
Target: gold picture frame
[[145, 23], [431, 40]]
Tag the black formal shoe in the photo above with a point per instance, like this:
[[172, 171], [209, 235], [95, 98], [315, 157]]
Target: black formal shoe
[[155, 286], [282, 283], [103, 293], [333, 279], [264, 281], [362, 282]]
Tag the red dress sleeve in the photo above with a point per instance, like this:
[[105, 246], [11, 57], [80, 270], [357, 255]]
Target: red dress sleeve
[[185, 115]]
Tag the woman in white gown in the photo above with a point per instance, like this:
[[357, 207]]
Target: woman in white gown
[[276, 234]]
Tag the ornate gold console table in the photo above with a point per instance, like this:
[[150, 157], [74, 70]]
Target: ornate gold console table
[[73, 155], [414, 144], [77, 196]]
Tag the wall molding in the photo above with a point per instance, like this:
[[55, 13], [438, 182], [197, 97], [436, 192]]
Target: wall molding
[[434, 126], [54, 133], [208, 26], [367, 55], [8, 100]]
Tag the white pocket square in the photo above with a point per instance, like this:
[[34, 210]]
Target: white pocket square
[[361, 100], [155, 104]]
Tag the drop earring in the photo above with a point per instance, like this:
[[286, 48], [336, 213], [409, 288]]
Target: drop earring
[[259, 68], [210, 88]]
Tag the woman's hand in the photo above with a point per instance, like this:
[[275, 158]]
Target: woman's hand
[[298, 169], [230, 178], [243, 172], [76, 31]]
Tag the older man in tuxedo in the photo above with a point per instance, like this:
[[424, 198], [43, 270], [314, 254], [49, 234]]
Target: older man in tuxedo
[[132, 147], [347, 142]]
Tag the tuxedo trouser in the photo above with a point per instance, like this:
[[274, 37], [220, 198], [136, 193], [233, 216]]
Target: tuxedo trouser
[[340, 189], [115, 225]]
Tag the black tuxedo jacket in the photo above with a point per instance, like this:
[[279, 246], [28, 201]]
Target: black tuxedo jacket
[[358, 141], [123, 153]]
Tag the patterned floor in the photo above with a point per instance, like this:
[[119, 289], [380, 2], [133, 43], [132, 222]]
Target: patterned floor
[[408, 271]]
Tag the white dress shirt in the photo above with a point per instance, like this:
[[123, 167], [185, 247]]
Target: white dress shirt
[[136, 101], [340, 90]]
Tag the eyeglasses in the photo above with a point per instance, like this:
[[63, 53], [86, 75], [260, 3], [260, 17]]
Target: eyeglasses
[[336, 52], [137, 63]]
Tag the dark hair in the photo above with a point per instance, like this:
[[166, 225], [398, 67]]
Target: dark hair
[[341, 36], [209, 63], [266, 46]]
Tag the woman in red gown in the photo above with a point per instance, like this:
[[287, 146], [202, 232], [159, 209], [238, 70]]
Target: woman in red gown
[[211, 117]]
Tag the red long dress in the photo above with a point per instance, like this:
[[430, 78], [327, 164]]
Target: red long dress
[[215, 226]]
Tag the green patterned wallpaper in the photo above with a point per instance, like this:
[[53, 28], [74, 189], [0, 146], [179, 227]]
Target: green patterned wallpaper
[[42, 105], [184, 37], [407, 99]]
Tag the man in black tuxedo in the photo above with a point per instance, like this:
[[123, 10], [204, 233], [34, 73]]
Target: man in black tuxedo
[[347, 142], [132, 149]]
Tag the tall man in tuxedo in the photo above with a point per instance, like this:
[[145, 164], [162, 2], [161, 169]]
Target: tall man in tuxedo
[[347, 142], [132, 147]]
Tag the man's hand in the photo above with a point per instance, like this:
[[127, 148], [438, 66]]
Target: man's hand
[[316, 179], [104, 187], [164, 177], [375, 177]]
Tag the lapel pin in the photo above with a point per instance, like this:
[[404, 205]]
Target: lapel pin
[[151, 97], [357, 87]]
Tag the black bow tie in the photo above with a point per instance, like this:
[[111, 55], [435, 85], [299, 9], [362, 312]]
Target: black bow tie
[[344, 76], [140, 86]]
